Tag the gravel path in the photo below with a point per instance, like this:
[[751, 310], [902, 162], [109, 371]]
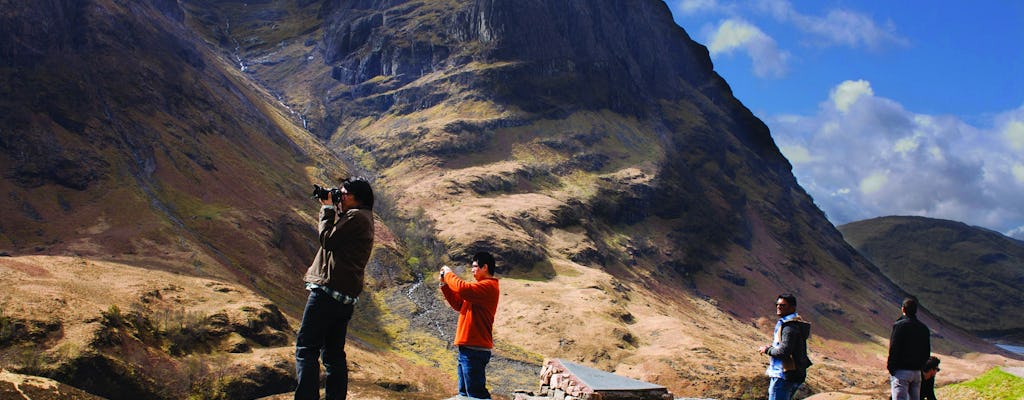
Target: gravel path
[[1019, 371]]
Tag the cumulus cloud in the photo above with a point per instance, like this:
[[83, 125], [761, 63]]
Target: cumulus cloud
[[1018, 173], [837, 27], [800, 154], [1014, 133], [1017, 232], [736, 34], [847, 93], [689, 7], [863, 156], [874, 182]]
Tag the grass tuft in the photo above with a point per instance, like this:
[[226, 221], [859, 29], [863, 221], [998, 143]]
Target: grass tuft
[[995, 384]]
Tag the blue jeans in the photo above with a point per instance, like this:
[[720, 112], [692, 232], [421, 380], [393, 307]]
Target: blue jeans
[[781, 389], [906, 384], [322, 334], [472, 373]]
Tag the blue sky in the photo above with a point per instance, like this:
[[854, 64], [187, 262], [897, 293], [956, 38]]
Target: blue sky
[[883, 107]]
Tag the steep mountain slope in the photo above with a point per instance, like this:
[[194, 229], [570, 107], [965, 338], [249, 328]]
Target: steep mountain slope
[[970, 276]]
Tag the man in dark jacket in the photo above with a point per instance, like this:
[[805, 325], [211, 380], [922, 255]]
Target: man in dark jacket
[[334, 281], [788, 351], [909, 349]]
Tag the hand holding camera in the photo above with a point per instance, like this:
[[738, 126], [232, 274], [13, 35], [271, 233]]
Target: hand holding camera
[[444, 270]]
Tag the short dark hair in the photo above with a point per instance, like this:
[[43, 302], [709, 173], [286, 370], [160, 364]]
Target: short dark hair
[[359, 187], [485, 258], [910, 305], [789, 298], [932, 363]]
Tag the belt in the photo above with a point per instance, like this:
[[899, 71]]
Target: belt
[[340, 297]]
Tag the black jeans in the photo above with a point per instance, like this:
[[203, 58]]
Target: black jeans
[[322, 334]]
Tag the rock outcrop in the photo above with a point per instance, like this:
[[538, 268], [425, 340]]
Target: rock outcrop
[[120, 332]]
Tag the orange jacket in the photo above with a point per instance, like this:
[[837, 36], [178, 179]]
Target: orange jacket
[[476, 302]]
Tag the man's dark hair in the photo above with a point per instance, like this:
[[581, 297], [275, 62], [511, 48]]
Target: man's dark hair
[[359, 187], [789, 298], [910, 306], [932, 363], [483, 258]]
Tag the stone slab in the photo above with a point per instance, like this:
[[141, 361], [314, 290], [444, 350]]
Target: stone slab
[[599, 380]]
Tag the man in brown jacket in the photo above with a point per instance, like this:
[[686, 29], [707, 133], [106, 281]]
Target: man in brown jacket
[[334, 281]]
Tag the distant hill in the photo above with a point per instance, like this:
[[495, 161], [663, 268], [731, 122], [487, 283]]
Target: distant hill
[[971, 276]]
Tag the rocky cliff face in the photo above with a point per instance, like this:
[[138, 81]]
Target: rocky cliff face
[[585, 53], [546, 58]]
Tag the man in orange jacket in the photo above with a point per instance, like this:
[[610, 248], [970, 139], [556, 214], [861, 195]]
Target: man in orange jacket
[[476, 302]]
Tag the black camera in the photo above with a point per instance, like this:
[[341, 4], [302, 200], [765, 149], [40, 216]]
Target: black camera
[[320, 192]]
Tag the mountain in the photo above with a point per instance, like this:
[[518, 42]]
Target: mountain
[[971, 276], [643, 218]]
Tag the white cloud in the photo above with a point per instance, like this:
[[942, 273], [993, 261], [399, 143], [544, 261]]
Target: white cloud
[[736, 34], [837, 27], [906, 145], [797, 154], [1014, 133], [873, 183], [847, 93], [1018, 173], [689, 7], [733, 34], [781, 10], [1017, 232], [901, 163], [851, 29]]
